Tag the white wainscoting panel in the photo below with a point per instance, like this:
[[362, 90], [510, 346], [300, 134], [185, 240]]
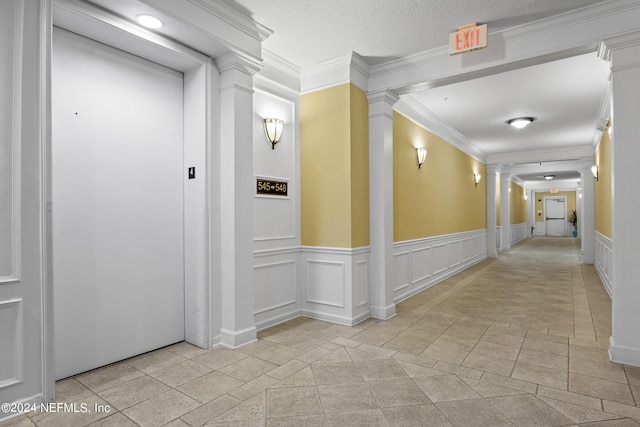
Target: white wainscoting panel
[[604, 252], [519, 232], [336, 284], [11, 339], [276, 277], [499, 237], [326, 282], [422, 263], [401, 270]]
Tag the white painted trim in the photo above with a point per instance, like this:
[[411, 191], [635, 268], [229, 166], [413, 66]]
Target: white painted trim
[[560, 36], [335, 251], [28, 402], [336, 303], [18, 339], [519, 232], [277, 319], [456, 252], [425, 118], [235, 339], [16, 147], [351, 68], [603, 261], [341, 320], [624, 355]]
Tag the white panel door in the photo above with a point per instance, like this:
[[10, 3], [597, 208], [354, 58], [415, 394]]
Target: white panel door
[[555, 213], [118, 204]]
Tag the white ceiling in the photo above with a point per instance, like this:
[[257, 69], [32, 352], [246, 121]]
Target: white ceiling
[[564, 96]]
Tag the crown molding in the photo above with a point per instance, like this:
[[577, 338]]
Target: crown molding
[[570, 33], [547, 155], [422, 116], [351, 68], [234, 18], [279, 71]]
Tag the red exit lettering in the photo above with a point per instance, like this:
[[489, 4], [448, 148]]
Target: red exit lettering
[[469, 37]]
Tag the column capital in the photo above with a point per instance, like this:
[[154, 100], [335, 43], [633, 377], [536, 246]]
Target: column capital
[[608, 46], [383, 95], [235, 61], [494, 168]]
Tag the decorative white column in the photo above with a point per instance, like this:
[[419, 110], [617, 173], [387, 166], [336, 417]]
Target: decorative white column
[[381, 281], [505, 202], [587, 213], [236, 200], [492, 214], [624, 54]]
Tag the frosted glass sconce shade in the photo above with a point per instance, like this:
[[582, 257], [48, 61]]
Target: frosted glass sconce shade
[[273, 130]]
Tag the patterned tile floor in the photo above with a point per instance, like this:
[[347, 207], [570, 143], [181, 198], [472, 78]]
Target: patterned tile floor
[[521, 340]]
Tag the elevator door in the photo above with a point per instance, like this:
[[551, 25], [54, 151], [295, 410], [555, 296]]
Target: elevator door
[[117, 204]]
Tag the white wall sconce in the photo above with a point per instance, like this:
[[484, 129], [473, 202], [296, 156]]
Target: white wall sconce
[[421, 152], [273, 130], [594, 171], [476, 178], [526, 197]]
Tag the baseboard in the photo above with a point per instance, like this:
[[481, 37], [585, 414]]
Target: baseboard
[[235, 339], [383, 313], [341, 320], [625, 355], [276, 320], [28, 402]]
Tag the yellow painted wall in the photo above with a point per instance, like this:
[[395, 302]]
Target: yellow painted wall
[[517, 204], [603, 186], [359, 168], [334, 159], [571, 202], [441, 197]]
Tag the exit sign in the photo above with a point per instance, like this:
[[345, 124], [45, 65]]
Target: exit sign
[[467, 38]]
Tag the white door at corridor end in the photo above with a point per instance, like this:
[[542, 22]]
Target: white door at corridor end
[[117, 176], [555, 212]]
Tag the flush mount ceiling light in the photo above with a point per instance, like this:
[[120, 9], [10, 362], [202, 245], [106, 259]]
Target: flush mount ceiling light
[[549, 177], [520, 122], [149, 21]]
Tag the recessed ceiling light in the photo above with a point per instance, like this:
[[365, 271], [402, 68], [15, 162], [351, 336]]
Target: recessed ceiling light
[[549, 177], [520, 122], [149, 21]]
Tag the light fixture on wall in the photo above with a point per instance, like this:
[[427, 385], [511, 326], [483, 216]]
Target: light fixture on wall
[[594, 171], [273, 130], [526, 197], [476, 178], [149, 21], [549, 177], [421, 152], [520, 122]]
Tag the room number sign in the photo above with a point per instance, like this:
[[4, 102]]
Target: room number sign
[[268, 187]]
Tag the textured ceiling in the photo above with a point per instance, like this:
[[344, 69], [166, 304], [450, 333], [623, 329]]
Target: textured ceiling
[[564, 96], [310, 31]]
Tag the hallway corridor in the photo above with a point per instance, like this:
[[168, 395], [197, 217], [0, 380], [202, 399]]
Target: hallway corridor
[[518, 340]]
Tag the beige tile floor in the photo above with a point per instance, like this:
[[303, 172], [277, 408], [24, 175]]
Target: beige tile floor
[[521, 340]]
